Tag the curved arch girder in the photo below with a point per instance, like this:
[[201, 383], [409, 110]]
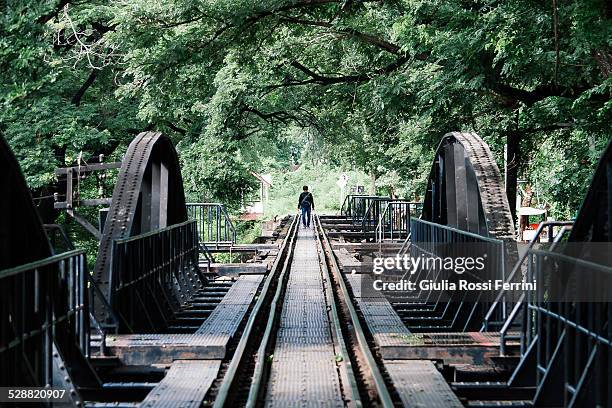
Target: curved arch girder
[[594, 220], [465, 188], [148, 195], [22, 237]]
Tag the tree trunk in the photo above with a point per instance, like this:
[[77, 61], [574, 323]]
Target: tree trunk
[[604, 61], [513, 162], [372, 183], [76, 99]]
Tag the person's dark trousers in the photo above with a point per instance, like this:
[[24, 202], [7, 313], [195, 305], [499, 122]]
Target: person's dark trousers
[[306, 215]]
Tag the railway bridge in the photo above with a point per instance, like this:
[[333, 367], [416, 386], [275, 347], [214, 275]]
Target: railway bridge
[[299, 321]]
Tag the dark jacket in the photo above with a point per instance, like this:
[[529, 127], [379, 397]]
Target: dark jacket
[[305, 197]]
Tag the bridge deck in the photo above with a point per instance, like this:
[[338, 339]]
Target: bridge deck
[[184, 386], [420, 384], [387, 329], [417, 382], [304, 371], [208, 342]]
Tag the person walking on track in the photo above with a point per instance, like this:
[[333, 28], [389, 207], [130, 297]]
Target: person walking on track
[[306, 204]]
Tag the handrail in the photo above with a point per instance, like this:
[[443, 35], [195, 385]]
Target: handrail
[[151, 233], [154, 274], [40, 263], [345, 209], [344, 204], [405, 208], [405, 245], [457, 230], [580, 262], [101, 332], [205, 252], [549, 321], [356, 202], [52, 298], [518, 265], [519, 303], [52, 230], [369, 216], [508, 324], [425, 239], [214, 223]]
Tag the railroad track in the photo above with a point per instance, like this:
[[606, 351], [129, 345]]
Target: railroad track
[[376, 332], [375, 384], [236, 371], [303, 342]]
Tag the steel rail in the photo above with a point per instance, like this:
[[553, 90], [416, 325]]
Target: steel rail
[[260, 364], [336, 328], [234, 364], [379, 382]]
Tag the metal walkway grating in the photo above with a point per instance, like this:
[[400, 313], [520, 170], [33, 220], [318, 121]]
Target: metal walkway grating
[[420, 384], [184, 386], [208, 342], [228, 314], [386, 327], [304, 371]]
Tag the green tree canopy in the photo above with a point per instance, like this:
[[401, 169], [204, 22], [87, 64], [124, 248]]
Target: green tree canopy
[[365, 84]]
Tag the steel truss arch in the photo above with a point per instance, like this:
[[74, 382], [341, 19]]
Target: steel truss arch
[[594, 220], [148, 195], [44, 316], [22, 237], [465, 188]]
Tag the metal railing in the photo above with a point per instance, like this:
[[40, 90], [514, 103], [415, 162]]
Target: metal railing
[[498, 312], [394, 222], [58, 238], [42, 303], [566, 330], [205, 255], [431, 240], [348, 203], [356, 205], [370, 217], [153, 275], [214, 225]]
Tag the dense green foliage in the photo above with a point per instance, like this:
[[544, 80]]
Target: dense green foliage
[[321, 181], [371, 85]]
